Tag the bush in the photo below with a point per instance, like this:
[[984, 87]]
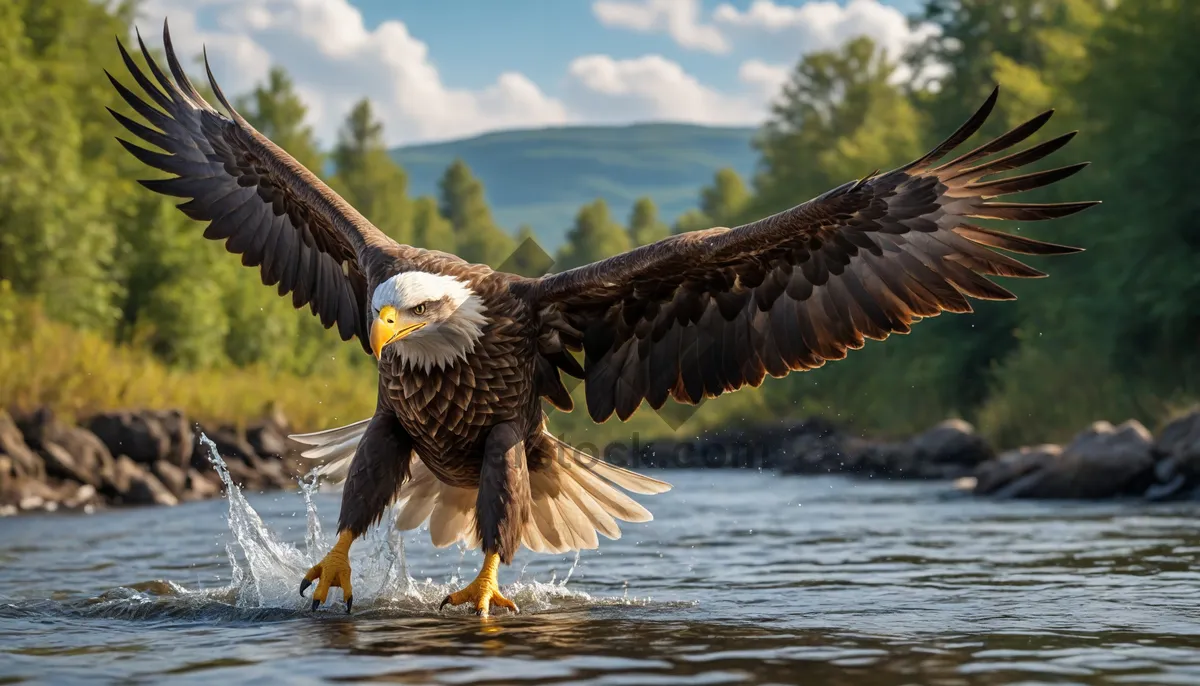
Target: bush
[[76, 372]]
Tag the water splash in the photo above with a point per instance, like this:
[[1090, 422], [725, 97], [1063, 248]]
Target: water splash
[[308, 488], [267, 570], [266, 573]]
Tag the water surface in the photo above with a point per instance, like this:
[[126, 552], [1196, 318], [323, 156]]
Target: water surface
[[743, 577]]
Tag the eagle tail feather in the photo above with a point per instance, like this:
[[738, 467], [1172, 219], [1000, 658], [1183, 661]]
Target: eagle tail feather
[[574, 496], [333, 447], [339, 433]]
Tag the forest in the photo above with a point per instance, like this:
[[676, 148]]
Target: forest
[[109, 297]]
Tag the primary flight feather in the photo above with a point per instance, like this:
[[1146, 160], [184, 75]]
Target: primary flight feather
[[466, 354]]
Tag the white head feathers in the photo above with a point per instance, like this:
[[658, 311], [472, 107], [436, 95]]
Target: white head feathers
[[453, 312]]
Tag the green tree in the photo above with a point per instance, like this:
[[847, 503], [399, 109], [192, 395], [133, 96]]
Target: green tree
[[175, 286], [463, 202], [1126, 308], [57, 188], [1035, 50], [839, 117], [644, 224], [1032, 48], [431, 230], [726, 198], [262, 327], [594, 237], [276, 110], [368, 178], [692, 220]]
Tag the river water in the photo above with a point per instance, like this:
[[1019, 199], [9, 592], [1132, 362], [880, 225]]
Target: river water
[[743, 577]]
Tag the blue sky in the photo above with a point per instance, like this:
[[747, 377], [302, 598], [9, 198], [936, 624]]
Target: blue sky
[[449, 68], [473, 45]]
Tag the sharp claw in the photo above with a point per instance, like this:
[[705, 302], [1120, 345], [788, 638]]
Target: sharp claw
[[316, 604], [444, 603], [349, 604], [304, 584]]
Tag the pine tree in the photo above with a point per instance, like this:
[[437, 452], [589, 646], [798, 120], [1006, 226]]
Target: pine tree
[[276, 110], [431, 230], [368, 178], [594, 237], [725, 198], [262, 327], [644, 225], [463, 203]]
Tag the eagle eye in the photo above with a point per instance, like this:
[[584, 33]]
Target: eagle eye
[[419, 309]]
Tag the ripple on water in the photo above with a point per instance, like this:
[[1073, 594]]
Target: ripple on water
[[866, 583]]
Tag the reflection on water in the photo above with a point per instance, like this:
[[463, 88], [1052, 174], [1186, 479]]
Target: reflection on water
[[742, 577]]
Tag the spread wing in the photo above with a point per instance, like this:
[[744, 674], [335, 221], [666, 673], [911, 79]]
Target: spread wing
[[704, 313], [263, 203]]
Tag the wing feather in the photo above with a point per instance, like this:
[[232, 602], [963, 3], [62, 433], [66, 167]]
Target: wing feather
[[261, 202], [722, 308]]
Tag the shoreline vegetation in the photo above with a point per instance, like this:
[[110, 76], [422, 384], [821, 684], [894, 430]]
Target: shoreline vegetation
[[111, 298]]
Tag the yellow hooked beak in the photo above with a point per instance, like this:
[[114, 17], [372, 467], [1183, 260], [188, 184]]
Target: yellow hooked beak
[[389, 327]]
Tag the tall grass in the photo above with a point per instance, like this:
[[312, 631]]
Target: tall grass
[[45, 363]]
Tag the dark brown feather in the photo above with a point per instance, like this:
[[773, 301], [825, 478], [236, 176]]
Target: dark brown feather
[[864, 260], [1011, 243], [379, 468], [503, 503], [253, 193]]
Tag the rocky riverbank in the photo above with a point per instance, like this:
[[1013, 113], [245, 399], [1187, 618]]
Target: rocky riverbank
[[154, 458], [948, 450], [1102, 461], [133, 458]]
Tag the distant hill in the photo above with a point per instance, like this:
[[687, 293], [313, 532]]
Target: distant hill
[[541, 177]]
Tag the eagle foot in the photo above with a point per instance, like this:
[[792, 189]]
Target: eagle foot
[[484, 591], [333, 571]]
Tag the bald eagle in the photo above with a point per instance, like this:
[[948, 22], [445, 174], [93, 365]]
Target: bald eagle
[[466, 354]]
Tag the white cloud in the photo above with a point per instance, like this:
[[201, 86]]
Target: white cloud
[[335, 60], [653, 87], [785, 32], [773, 32], [678, 18], [766, 78]]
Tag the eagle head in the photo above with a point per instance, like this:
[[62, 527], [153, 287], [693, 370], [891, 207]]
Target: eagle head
[[428, 320]]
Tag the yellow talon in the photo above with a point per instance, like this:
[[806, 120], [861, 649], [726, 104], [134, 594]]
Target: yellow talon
[[484, 591], [333, 571]]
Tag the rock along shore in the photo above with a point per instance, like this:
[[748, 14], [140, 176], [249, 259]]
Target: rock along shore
[[142, 457], [149, 457], [1102, 461]]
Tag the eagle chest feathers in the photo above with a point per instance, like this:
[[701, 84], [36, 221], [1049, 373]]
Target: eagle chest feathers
[[448, 409]]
